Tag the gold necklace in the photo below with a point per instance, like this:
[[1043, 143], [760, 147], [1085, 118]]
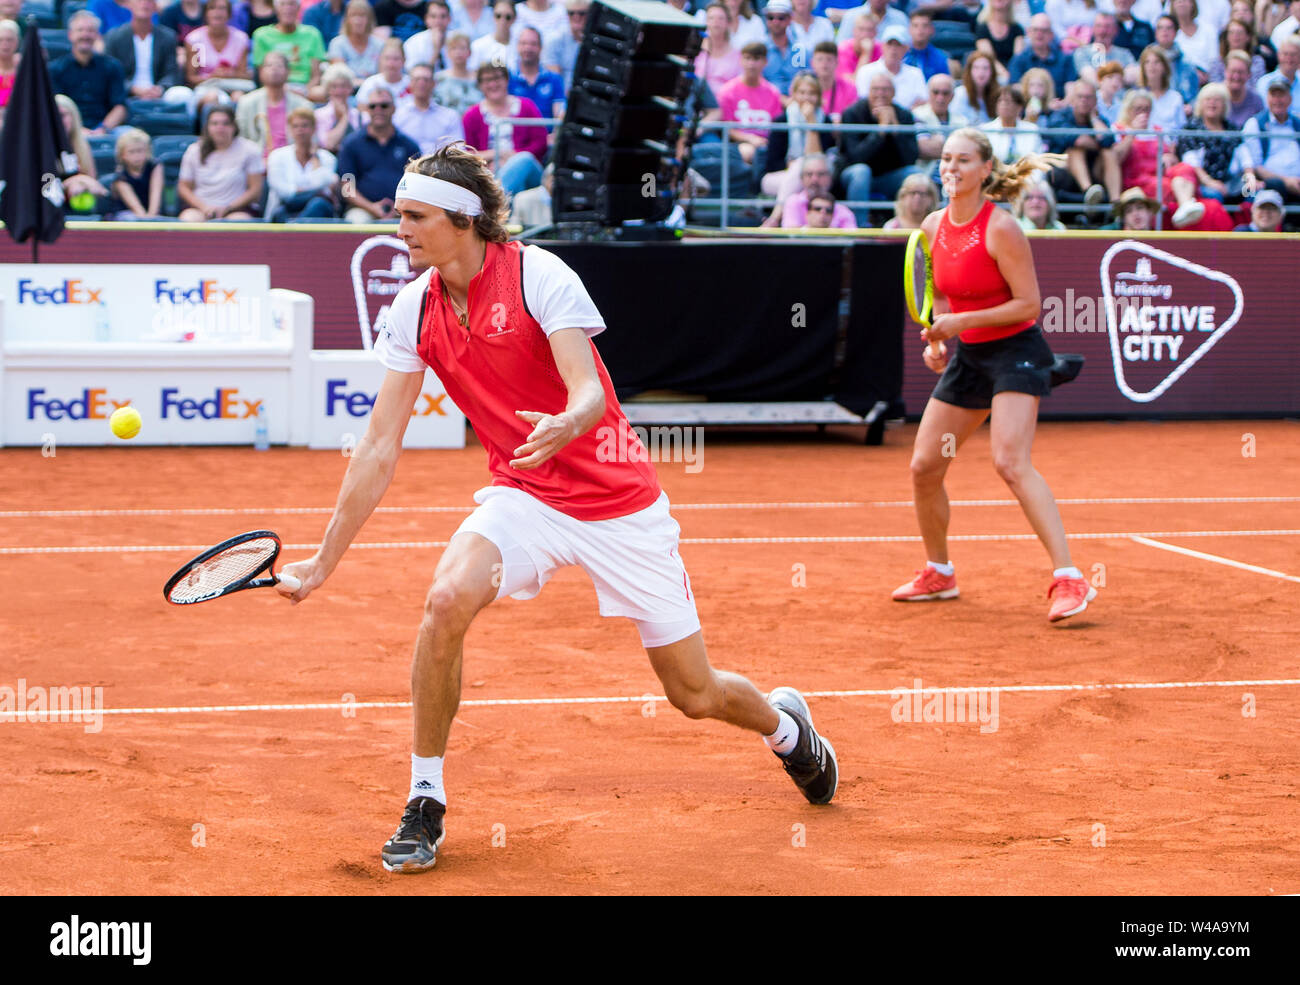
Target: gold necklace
[[461, 315]]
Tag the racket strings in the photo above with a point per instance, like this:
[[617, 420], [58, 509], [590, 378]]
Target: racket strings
[[920, 275], [215, 574]]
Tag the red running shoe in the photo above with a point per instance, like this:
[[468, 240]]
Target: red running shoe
[[1069, 596], [928, 586]]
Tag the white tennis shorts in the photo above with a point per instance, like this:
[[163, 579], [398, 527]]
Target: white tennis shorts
[[632, 560]]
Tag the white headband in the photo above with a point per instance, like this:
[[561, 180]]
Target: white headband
[[435, 191]]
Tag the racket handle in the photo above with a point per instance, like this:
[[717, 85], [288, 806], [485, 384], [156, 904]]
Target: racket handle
[[289, 581]]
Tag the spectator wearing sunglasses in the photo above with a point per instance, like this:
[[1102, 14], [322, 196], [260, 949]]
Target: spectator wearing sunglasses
[[495, 48], [821, 209], [371, 162], [783, 55], [561, 53]]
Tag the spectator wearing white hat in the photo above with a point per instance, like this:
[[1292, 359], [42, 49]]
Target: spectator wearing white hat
[[1274, 161], [1265, 214], [784, 57], [908, 80]]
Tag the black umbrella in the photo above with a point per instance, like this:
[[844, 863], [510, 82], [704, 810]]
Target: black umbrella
[[33, 149]]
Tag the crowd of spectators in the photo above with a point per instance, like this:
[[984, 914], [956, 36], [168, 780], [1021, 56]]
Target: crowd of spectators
[[306, 109], [1021, 70], [294, 110]]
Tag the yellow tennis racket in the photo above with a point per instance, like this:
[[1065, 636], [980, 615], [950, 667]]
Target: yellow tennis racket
[[918, 278]]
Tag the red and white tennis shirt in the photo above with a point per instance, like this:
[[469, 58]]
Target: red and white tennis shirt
[[502, 362]]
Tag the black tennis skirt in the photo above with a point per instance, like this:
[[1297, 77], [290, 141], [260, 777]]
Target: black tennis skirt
[[977, 371]]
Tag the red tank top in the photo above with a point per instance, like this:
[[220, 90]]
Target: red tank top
[[970, 279], [502, 362]]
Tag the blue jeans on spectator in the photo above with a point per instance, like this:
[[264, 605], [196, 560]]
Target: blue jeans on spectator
[[520, 173], [308, 205], [861, 185]]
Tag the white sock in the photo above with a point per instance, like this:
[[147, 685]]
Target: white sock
[[426, 778], [944, 569], [1067, 573], [786, 736]]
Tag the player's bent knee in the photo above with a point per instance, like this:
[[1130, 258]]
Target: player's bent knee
[[696, 706], [1011, 469], [449, 607]]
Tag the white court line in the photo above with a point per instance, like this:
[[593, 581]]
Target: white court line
[[1217, 559], [827, 505], [400, 545], [895, 692]]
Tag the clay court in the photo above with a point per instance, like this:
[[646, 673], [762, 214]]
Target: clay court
[[1146, 747]]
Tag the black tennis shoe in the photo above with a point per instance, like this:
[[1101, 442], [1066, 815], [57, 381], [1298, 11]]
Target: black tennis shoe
[[812, 764], [414, 845]]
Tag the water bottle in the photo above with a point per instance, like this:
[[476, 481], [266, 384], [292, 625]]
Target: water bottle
[[261, 439], [103, 330]]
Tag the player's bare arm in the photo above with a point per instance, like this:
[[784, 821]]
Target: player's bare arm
[[370, 470], [586, 405]]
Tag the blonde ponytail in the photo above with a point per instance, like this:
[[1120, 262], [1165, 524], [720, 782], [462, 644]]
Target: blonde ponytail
[[1007, 182]]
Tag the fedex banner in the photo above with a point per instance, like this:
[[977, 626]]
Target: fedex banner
[[87, 303], [343, 390], [178, 406]]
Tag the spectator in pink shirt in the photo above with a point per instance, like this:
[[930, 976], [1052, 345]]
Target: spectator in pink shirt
[[718, 62], [839, 91], [816, 179], [821, 209], [514, 152], [753, 101], [862, 48]]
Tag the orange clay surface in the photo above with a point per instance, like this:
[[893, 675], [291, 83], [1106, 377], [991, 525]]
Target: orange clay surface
[[1162, 790]]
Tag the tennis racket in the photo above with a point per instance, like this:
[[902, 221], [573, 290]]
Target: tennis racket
[[231, 566], [918, 278]]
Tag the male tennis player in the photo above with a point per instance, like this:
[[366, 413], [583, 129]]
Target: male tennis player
[[507, 329]]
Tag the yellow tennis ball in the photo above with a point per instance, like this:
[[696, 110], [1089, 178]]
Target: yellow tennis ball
[[125, 422]]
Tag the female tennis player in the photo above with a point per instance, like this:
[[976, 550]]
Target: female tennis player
[[507, 329], [987, 304]]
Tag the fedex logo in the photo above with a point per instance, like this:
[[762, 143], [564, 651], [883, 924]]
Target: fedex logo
[[204, 292], [91, 405], [224, 404], [69, 292], [357, 403]]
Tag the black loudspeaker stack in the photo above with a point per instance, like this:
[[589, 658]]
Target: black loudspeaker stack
[[615, 151]]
